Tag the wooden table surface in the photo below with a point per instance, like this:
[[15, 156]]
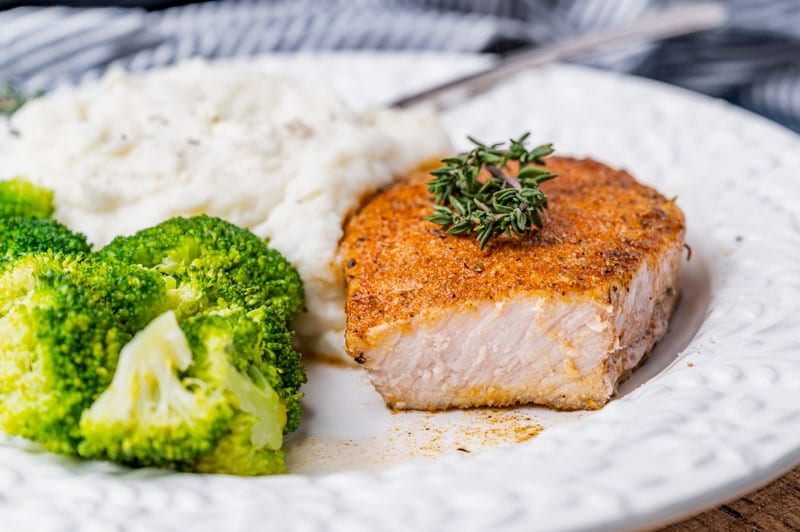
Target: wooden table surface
[[775, 507]]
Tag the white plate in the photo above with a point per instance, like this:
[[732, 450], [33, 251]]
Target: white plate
[[714, 412]]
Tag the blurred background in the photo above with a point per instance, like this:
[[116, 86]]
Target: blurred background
[[753, 60]]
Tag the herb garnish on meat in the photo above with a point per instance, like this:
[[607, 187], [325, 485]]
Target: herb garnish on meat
[[500, 203]]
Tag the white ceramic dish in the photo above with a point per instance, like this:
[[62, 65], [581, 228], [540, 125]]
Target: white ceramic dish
[[713, 413]]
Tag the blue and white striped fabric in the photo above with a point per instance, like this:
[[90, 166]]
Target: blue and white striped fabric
[[754, 60]]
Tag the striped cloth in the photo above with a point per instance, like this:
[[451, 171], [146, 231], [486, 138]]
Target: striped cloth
[[754, 60]]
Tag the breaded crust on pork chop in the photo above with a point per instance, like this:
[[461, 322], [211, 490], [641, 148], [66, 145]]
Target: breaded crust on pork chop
[[556, 317]]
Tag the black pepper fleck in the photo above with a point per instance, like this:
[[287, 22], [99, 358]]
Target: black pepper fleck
[[351, 263], [360, 359]]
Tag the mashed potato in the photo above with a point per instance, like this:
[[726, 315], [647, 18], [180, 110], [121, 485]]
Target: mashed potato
[[285, 158]]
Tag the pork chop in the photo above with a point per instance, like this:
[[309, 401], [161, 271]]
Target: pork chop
[[556, 317]]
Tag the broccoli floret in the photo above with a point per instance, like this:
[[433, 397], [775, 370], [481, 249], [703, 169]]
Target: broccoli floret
[[275, 346], [236, 454], [208, 264], [168, 348], [149, 414], [198, 397], [23, 234], [236, 348], [212, 262], [21, 198], [25, 226], [62, 325], [262, 347], [136, 295]]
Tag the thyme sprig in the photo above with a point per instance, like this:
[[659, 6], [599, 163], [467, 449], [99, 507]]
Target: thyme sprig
[[467, 202], [11, 98]]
